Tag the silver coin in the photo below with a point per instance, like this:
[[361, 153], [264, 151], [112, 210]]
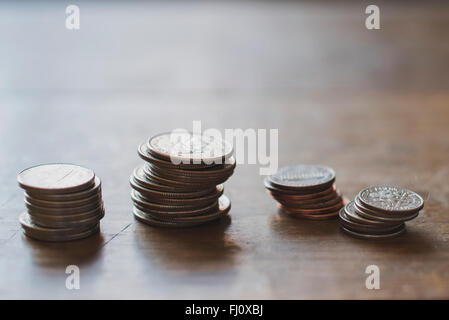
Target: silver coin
[[391, 199], [56, 178], [171, 211], [144, 154], [360, 235], [176, 199], [185, 147], [54, 223], [142, 179], [63, 211], [374, 215], [351, 212], [149, 205], [302, 177], [206, 179], [224, 207], [177, 184], [144, 218], [69, 217], [216, 171], [346, 221], [48, 233], [70, 237]]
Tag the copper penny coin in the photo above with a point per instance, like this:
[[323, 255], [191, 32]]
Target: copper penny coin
[[338, 200], [391, 200], [308, 196], [186, 147], [295, 192], [300, 177], [320, 211], [296, 203], [56, 178], [64, 204], [326, 216], [94, 189]]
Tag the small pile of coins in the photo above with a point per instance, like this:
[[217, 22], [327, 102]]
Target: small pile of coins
[[306, 191], [181, 182], [63, 202], [379, 212]]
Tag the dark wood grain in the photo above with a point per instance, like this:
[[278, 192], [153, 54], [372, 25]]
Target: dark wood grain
[[374, 105]]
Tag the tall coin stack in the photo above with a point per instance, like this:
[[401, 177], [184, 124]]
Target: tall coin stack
[[379, 212], [181, 182], [63, 202], [306, 191]]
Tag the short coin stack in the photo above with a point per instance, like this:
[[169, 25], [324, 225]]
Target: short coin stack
[[306, 191], [181, 182], [379, 212], [63, 202]]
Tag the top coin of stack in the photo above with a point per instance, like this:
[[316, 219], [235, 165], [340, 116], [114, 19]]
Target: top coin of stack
[[63, 202], [306, 191], [379, 212], [181, 182]]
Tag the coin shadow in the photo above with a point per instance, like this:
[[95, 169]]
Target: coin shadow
[[204, 248], [57, 255], [411, 242], [295, 228]]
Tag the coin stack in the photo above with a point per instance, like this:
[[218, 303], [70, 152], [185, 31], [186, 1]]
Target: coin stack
[[379, 212], [306, 191], [63, 202], [181, 182]]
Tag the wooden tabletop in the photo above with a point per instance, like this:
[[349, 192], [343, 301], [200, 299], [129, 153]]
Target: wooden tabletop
[[372, 104]]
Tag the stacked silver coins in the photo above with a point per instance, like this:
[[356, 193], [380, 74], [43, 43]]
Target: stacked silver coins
[[380, 212], [63, 202], [306, 191], [181, 182]]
